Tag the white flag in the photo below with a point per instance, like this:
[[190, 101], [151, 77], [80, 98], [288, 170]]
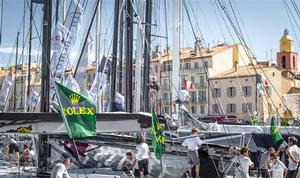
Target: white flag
[[59, 37], [74, 18], [98, 85], [33, 98], [4, 92], [260, 88], [72, 84], [79, 77], [72, 23], [120, 99]]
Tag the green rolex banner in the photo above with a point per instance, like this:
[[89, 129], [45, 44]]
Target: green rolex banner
[[77, 111], [157, 137], [276, 136]]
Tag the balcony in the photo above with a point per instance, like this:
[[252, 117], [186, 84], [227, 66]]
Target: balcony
[[200, 85]]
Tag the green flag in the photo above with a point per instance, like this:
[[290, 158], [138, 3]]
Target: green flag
[[157, 137], [276, 136], [77, 111]]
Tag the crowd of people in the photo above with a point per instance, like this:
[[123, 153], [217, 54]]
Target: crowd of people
[[281, 163], [12, 152]]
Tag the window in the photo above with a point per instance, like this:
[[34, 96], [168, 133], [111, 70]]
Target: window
[[156, 68], [273, 74], [194, 110], [231, 108], [246, 90], [294, 62], [247, 107], [283, 61], [196, 65], [231, 91], [165, 97], [216, 92], [206, 64], [193, 96], [215, 109], [187, 66], [165, 84], [202, 110], [202, 96], [202, 81], [166, 110], [192, 79]]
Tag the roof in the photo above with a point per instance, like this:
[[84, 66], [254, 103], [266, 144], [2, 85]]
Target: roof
[[189, 53], [294, 90], [243, 71]]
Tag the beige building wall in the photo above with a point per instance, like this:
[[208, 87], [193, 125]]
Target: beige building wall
[[264, 104]]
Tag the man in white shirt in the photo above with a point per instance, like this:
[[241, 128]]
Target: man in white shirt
[[129, 164], [293, 154], [142, 155], [243, 162], [193, 144], [60, 169], [278, 168]]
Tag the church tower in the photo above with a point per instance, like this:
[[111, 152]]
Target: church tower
[[287, 57]]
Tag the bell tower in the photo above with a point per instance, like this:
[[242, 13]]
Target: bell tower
[[287, 58]]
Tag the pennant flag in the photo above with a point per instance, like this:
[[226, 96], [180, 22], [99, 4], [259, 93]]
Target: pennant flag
[[33, 98], [276, 136], [157, 137], [59, 36], [119, 103], [72, 84], [83, 64], [105, 65], [4, 92], [98, 85], [187, 84], [77, 111], [260, 89]]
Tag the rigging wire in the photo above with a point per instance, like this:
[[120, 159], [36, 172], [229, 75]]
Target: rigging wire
[[292, 24], [249, 54]]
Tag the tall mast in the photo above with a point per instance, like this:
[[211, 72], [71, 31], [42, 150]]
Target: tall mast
[[29, 57], [97, 48], [115, 53], [147, 48], [176, 43], [43, 149], [138, 60], [128, 55], [16, 72], [121, 49], [45, 83]]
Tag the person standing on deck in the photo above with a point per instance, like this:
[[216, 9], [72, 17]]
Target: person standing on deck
[[142, 155], [60, 169], [193, 144], [293, 154], [278, 168], [243, 162], [13, 148], [265, 163]]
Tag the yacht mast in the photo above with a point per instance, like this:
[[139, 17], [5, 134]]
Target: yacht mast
[[138, 59], [115, 53], [176, 43], [147, 51], [128, 55]]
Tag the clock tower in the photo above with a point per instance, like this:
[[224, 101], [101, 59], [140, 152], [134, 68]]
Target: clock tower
[[287, 57]]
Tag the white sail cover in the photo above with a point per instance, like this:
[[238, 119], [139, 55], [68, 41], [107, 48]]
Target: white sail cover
[[33, 98], [83, 64], [4, 92]]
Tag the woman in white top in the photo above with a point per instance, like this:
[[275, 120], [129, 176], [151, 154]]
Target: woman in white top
[[142, 155], [279, 170], [243, 162]]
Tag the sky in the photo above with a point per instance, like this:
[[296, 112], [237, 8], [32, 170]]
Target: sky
[[262, 23]]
